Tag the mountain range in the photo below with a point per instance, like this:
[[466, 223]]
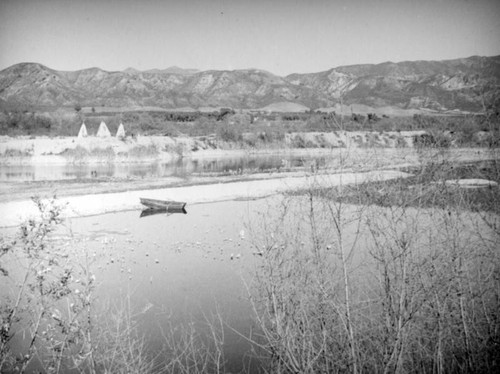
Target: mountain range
[[467, 84]]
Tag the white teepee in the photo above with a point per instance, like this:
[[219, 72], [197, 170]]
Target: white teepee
[[120, 133], [83, 131], [103, 131]]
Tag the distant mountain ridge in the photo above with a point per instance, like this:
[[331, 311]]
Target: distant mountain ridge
[[467, 84]]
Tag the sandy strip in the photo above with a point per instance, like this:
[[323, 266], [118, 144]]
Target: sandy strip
[[14, 213]]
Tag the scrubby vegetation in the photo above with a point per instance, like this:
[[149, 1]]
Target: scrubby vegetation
[[51, 321], [144, 151], [434, 185], [398, 276], [80, 154], [404, 280], [253, 128], [395, 276], [9, 152], [24, 122]]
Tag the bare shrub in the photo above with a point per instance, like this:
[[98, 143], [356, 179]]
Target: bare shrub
[[298, 142], [58, 325], [178, 149], [144, 151], [229, 133], [118, 346], [78, 154], [103, 154], [47, 306], [406, 280], [193, 346]]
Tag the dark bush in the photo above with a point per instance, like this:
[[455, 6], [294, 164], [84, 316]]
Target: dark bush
[[298, 142], [229, 133], [430, 140]]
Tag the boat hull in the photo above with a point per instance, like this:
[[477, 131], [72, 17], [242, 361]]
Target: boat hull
[[169, 206]]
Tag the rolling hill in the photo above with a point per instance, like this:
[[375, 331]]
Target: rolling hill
[[468, 84]]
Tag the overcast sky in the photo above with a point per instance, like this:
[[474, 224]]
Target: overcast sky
[[281, 36]]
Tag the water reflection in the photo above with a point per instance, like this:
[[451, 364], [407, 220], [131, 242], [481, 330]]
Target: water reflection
[[152, 212], [176, 268], [179, 168], [171, 269]]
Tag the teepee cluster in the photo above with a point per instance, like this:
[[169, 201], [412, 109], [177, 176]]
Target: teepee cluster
[[102, 132]]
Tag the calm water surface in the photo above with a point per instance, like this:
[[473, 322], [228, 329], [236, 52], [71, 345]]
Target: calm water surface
[[180, 168], [175, 268]]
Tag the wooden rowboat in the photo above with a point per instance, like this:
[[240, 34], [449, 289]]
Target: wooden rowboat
[[168, 205]]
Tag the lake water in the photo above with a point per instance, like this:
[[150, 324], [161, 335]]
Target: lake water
[[354, 158], [177, 268], [179, 168], [173, 268]]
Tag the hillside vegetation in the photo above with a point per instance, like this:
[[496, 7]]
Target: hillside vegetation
[[469, 84]]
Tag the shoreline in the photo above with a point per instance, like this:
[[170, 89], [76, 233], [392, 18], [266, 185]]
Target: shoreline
[[357, 163], [355, 160], [25, 150], [165, 158], [14, 213]]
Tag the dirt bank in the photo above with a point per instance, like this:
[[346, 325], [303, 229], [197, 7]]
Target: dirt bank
[[26, 150]]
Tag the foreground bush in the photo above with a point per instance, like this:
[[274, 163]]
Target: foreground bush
[[392, 287], [51, 322], [379, 277]]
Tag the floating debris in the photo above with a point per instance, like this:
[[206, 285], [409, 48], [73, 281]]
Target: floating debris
[[147, 307], [56, 314]]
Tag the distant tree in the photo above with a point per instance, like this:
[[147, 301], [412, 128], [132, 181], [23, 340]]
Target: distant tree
[[372, 117], [225, 112], [358, 117]]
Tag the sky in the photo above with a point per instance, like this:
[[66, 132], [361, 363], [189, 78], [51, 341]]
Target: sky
[[280, 36]]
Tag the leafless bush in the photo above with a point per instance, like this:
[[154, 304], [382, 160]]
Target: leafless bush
[[50, 299], [193, 346], [406, 280], [49, 308]]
